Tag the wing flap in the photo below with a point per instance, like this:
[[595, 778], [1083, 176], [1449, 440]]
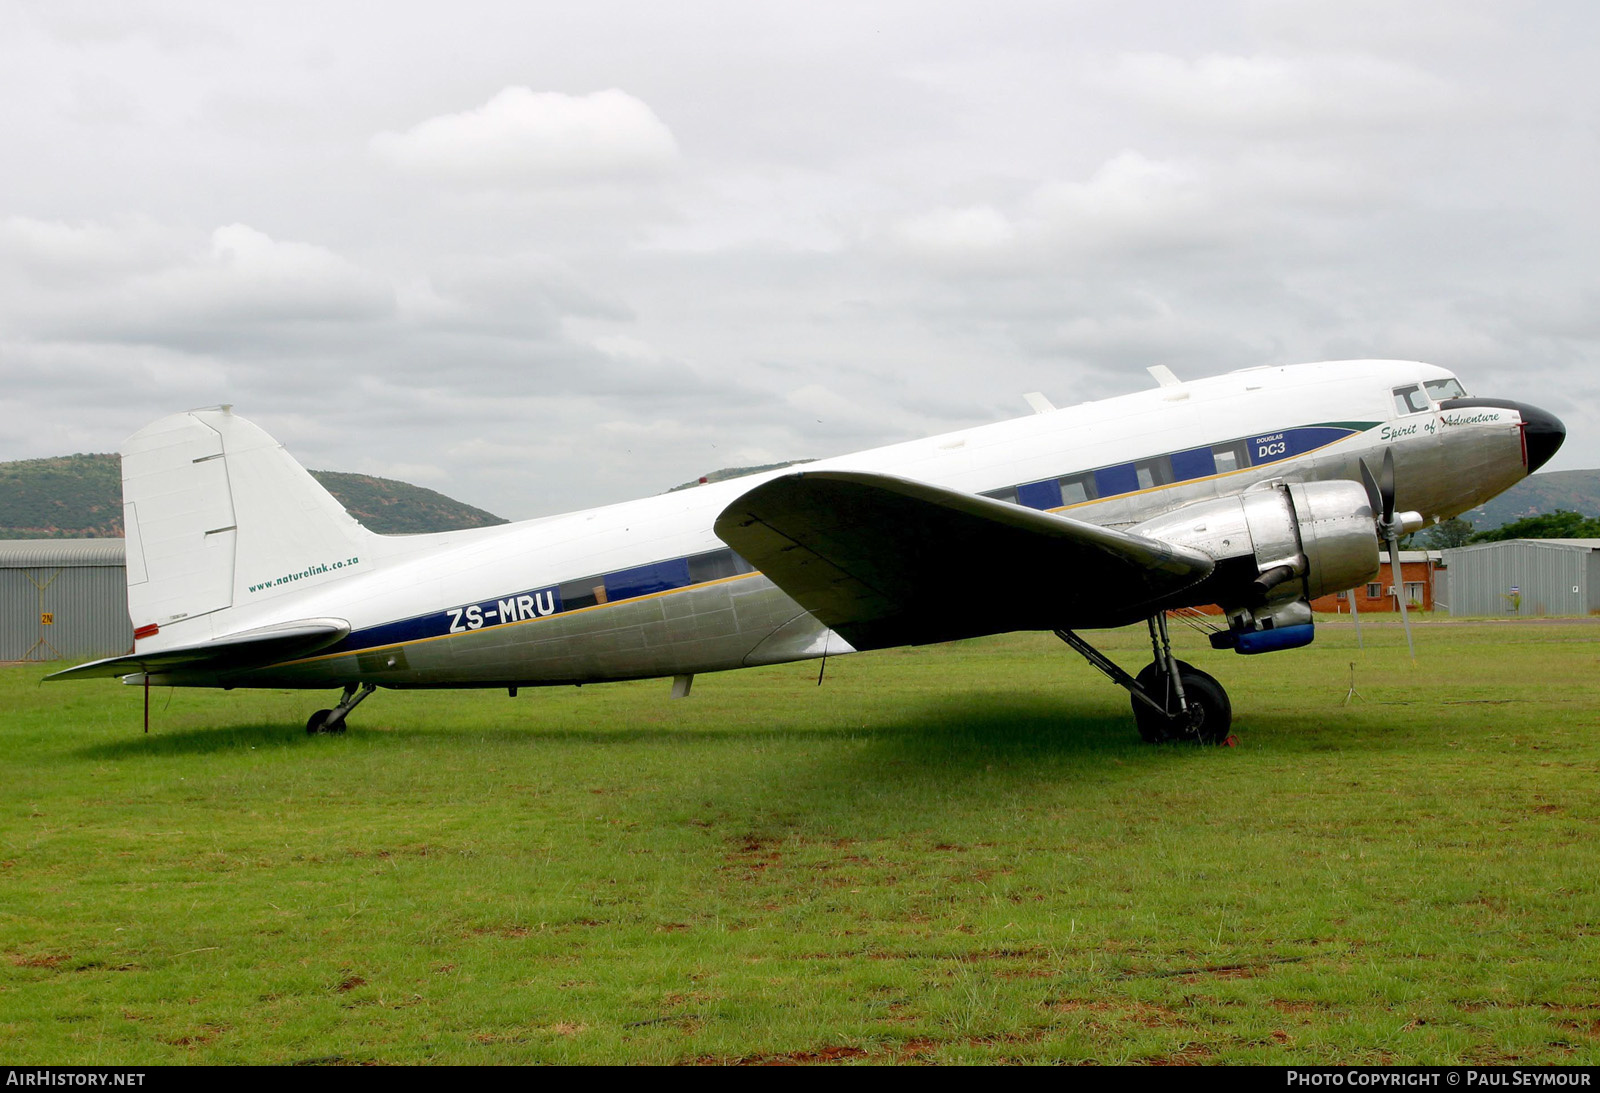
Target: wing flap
[[891, 561], [234, 652]]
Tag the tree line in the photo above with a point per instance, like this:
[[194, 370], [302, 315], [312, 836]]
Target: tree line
[[1560, 524]]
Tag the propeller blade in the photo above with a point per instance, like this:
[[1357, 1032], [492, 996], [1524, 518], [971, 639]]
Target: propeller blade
[[1380, 494], [1374, 498], [1386, 485], [1400, 590]]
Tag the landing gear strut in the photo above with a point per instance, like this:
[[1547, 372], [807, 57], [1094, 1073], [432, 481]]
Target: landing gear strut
[[1172, 699], [333, 720]]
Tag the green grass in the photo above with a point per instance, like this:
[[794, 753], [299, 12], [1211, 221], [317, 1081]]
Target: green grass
[[950, 854]]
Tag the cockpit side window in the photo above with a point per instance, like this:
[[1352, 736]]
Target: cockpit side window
[[1410, 400], [1439, 390]]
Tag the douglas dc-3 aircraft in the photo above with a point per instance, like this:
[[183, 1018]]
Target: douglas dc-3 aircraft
[[1256, 491]]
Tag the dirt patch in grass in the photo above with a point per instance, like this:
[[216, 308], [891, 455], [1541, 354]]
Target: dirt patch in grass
[[1297, 1009], [38, 960], [833, 1054], [205, 1034], [1586, 1028], [1192, 1055], [1112, 1011], [1244, 970]]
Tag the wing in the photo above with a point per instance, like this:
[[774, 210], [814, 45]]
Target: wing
[[890, 561], [235, 652]]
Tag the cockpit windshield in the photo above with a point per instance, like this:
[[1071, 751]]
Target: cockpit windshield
[[1415, 399], [1410, 400]]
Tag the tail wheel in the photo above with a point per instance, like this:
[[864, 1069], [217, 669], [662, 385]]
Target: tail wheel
[[314, 722], [1211, 714]]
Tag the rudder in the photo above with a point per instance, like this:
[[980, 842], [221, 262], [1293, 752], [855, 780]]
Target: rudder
[[219, 516]]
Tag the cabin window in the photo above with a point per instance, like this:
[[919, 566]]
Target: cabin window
[[1078, 489], [1153, 472], [713, 566], [1008, 494], [1439, 390], [1110, 481], [1040, 495], [1196, 463], [645, 579], [580, 593], [1229, 456], [1410, 400]]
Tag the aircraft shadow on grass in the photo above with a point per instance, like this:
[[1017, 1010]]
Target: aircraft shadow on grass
[[956, 734]]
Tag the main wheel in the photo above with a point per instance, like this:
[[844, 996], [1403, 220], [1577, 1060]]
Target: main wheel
[[1208, 703], [314, 722], [1154, 727], [1214, 716]]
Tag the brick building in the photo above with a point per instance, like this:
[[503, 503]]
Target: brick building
[[1421, 574]]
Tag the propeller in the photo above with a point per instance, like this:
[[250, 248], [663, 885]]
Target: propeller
[[1391, 525]]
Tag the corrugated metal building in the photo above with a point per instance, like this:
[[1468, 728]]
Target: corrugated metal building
[[1527, 577], [63, 599]]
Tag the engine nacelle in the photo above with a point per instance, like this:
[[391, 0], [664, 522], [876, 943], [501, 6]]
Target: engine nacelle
[[1277, 548]]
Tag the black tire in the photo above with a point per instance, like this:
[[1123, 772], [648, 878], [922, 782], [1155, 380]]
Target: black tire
[[1216, 712], [1154, 727], [1204, 694], [314, 722]]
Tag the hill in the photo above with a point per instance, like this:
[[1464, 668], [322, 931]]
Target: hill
[[80, 496], [69, 496], [739, 472], [399, 508], [1539, 494]]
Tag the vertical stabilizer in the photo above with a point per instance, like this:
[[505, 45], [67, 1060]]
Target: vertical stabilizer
[[220, 517]]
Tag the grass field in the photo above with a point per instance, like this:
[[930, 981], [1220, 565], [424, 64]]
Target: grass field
[[950, 854]]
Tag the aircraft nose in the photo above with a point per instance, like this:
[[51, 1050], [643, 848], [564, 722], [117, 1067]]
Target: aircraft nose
[[1542, 431], [1545, 434]]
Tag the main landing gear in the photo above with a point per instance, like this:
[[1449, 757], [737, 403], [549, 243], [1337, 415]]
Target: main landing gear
[[1172, 699], [333, 720]]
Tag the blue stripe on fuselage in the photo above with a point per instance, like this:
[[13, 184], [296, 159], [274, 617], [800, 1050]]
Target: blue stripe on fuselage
[[675, 573]]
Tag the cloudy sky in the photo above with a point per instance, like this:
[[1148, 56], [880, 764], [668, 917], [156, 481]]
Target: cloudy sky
[[541, 256]]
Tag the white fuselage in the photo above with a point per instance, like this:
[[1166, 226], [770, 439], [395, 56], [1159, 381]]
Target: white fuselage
[[508, 605]]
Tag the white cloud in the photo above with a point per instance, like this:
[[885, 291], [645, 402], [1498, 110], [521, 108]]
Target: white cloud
[[622, 347], [142, 281], [1381, 26], [248, 275], [524, 136], [1130, 204], [56, 250], [1130, 201], [975, 230], [1280, 94]]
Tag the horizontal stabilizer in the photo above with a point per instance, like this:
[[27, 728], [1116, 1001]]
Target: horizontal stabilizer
[[236, 652], [890, 561]]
